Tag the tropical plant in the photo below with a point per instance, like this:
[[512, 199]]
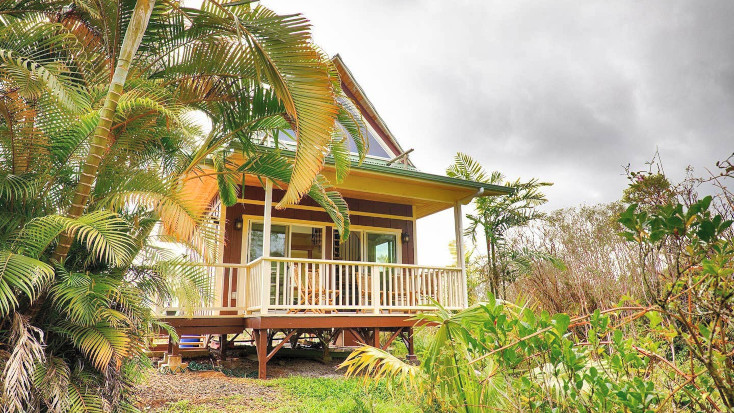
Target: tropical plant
[[98, 140], [495, 216], [501, 356], [692, 261], [672, 354]]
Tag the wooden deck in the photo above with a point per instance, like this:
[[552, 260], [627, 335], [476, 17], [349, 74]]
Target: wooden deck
[[278, 300], [272, 332]]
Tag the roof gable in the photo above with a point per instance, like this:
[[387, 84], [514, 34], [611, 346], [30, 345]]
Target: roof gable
[[377, 131]]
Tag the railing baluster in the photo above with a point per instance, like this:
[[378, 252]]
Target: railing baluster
[[334, 287], [411, 287], [322, 289], [311, 285], [277, 282], [298, 274], [350, 285], [401, 286], [359, 285]]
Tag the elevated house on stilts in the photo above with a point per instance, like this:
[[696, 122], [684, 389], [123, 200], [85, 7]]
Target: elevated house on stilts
[[285, 273]]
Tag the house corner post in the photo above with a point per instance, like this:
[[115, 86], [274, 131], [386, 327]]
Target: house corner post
[[459, 228], [219, 298], [265, 273]]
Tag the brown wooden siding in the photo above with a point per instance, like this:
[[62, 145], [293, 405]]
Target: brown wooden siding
[[233, 238]]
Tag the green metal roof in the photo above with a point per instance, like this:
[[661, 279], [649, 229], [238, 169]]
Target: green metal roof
[[380, 166]]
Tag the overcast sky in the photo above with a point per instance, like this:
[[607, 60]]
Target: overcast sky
[[567, 91]]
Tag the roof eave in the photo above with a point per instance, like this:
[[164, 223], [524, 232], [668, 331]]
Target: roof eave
[[489, 189]]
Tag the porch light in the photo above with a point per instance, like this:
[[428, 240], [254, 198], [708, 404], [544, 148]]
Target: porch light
[[238, 224], [405, 237]]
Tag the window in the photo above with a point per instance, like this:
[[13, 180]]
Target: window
[[278, 241], [306, 242], [382, 248], [297, 241], [374, 246]]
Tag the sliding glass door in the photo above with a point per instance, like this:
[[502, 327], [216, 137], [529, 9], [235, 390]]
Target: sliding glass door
[[382, 247], [367, 246]]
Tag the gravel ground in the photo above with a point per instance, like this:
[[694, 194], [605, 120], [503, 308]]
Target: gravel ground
[[206, 386]]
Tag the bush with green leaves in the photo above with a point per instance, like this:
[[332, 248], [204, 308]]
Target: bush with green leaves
[[687, 259], [671, 355]]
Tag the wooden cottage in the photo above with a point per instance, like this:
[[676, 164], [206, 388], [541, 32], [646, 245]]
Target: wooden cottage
[[284, 273]]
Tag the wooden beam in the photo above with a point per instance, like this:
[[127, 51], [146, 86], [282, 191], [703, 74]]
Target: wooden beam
[[331, 321], [377, 186], [392, 338], [280, 345], [357, 336]]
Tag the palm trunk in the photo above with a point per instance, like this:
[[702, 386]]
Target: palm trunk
[[493, 276], [102, 135]]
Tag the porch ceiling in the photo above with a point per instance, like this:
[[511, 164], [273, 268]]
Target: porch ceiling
[[427, 197]]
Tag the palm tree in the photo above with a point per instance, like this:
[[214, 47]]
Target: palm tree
[[97, 142], [494, 216]]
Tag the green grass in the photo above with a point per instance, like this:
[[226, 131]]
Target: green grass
[[316, 395], [232, 404], [311, 395]]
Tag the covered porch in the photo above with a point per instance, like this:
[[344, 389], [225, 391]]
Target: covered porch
[[284, 273]]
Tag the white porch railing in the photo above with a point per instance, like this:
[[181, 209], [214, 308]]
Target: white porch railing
[[304, 286]]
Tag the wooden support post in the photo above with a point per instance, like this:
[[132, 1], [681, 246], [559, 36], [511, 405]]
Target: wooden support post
[[411, 350], [376, 337], [459, 229], [169, 349], [223, 346], [267, 218], [261, 344]]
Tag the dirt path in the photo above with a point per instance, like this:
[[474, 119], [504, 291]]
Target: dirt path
[[210, 386]]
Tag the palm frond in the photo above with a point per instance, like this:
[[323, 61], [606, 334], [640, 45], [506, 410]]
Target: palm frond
[[351, 121], [103, 233], [225, 181], [106, 346], [83, 398], [51, 379], [25, 53], [18, 372], [19, 273], [378, 363], [280, 51], [18, 187], [465, 167], [339, 150], [82, 297]]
